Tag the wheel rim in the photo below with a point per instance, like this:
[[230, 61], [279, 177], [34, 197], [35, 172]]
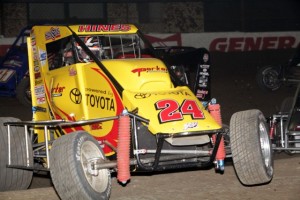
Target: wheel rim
[[270, 79], [100, 180], [265, 148]]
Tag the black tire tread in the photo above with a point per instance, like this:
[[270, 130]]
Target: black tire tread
[[14, 179], [245, 147], [21, 89], [64, 169]]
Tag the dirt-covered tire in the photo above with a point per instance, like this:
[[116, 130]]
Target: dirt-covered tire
[[68, 168], [251, 147], [11, 178], [23, 92], [268, 78]]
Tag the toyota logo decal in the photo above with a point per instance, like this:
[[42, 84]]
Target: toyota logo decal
[[75, 96]]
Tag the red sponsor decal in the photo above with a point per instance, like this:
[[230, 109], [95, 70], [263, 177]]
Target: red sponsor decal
[[41, 99], [37, 75], [96, 126], [149, 70], [171, 111], [104, 28], [52, 34], [162, 41], [240, 44], [58, 89]]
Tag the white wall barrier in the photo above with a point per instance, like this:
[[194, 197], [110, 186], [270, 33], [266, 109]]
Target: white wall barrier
[[231, 41], [223, 41]]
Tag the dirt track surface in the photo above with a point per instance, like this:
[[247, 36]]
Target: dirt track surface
[[234, 93], [199, 184]]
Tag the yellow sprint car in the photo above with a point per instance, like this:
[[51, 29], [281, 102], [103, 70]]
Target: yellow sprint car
[[102, 103]]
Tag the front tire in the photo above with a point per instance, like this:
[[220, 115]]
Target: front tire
[[12, 178], [69, 158], [251, 147]]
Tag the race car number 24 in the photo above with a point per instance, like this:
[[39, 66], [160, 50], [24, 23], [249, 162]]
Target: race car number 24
[[172, 111]]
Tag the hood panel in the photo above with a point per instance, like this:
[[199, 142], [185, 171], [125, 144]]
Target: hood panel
[[171, 111], [140, 74]]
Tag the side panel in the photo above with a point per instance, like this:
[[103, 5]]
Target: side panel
[[82, 92], [72, 92], [39, 64]]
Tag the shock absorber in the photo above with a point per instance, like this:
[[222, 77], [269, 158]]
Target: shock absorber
[[272, 127], [123, 149], [215, 112]]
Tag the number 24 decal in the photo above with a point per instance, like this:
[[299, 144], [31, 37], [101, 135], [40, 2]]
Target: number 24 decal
[[171, 111]]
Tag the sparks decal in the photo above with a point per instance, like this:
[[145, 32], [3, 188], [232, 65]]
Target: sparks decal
[[149, 70]]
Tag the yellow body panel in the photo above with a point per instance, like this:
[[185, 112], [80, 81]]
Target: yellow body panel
[[83, 91], [146, 102], [151, 84], [140, 74]]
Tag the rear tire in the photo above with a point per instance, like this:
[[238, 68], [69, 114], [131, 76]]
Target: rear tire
[[68, 167], [251, 147], [11, 178], [268, 78], [23, 92]]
